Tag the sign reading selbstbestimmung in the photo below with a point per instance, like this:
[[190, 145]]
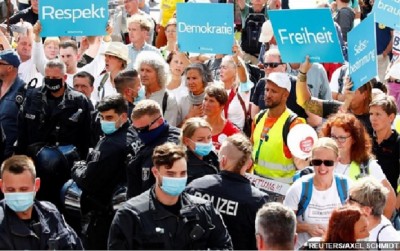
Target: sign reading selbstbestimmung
[[362, 52], [387, 12], [73, 17], [205, 27], [306, 32]]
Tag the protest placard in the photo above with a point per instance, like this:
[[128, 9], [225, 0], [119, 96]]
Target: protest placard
[[205, 27], [73, 17], [299, 33], [387, 12], [362, 52]]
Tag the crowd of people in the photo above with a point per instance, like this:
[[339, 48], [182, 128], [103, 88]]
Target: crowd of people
[[123, 141]]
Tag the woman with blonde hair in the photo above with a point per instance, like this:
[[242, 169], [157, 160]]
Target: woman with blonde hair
[[196, 137]]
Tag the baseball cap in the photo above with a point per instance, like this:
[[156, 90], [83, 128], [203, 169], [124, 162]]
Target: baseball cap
[[394, 72], [118, 50], [280, 79], [10, 57], [266, 32]]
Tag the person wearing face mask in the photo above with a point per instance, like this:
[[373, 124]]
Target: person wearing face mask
[[153, 130], [166, 217], [26, 223], [127, 83], [196, 137], [103, 171], [239, 204], [54, 129]]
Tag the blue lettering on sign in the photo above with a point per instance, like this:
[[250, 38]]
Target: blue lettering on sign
[[74, 14]]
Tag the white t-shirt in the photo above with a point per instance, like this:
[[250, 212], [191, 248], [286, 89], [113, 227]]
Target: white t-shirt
[[375, 170], [181, 91], [388, 233], [108, 89], [235, 112], [319, 209]]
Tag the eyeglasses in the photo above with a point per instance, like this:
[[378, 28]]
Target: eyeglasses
[[146, 128], [340, 139], [318, 162], [351, 199], [271, 65], [1, 63]]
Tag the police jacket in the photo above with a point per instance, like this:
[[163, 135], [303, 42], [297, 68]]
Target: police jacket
[[104, 169], [48, 120], [144, 223], [48, 232], [8, 115], [238, 202], [140, 161], [197, 168]]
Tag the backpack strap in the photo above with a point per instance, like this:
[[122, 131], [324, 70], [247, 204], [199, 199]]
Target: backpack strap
[[101, 85], [286, 126], [243, 105], [342, 188], [305, 197], [260, 115], [380, 230], [164, 102]]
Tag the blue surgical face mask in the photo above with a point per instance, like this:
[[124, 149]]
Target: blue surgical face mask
[[141, 95], [203, 149], [173, 186], [19, 202], [108, 127]]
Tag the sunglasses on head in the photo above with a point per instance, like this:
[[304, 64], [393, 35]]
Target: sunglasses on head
[[318, 162], [397, 81], [271, 65]]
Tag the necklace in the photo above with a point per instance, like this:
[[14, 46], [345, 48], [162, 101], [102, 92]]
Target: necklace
[[345, 170]]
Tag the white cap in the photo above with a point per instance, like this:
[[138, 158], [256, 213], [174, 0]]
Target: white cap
[[266, 32], [394, 72], [280, 79]]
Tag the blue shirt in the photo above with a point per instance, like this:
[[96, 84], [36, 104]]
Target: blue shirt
[[9, 114], [133, 53]]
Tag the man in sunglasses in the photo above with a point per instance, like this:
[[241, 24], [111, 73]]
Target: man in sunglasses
[[103, 170], [273, 63], [153, 130]]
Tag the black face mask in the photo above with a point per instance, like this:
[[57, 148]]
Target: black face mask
[[53, 84]]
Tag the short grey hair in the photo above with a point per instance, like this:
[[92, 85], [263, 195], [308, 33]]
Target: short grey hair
[[157, 62], [56, 63], [276, 224], [371, 193]]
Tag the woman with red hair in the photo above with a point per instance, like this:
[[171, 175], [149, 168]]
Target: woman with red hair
[[355, 152], [347, 224]]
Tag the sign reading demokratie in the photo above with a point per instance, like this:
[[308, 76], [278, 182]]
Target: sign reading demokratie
[[205, 27], [306, 32], [362, 52], [73, 17]]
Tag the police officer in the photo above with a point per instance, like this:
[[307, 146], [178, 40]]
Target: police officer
[[26, 223], [54, 126], [165, 217], [238, 205], [153, 131], [9, 90], [104, 170]]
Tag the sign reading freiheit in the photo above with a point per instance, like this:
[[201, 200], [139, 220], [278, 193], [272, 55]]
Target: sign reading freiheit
[[73, 17], [299, 34]]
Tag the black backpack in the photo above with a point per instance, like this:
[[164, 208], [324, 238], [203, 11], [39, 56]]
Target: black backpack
[[251, 32]]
